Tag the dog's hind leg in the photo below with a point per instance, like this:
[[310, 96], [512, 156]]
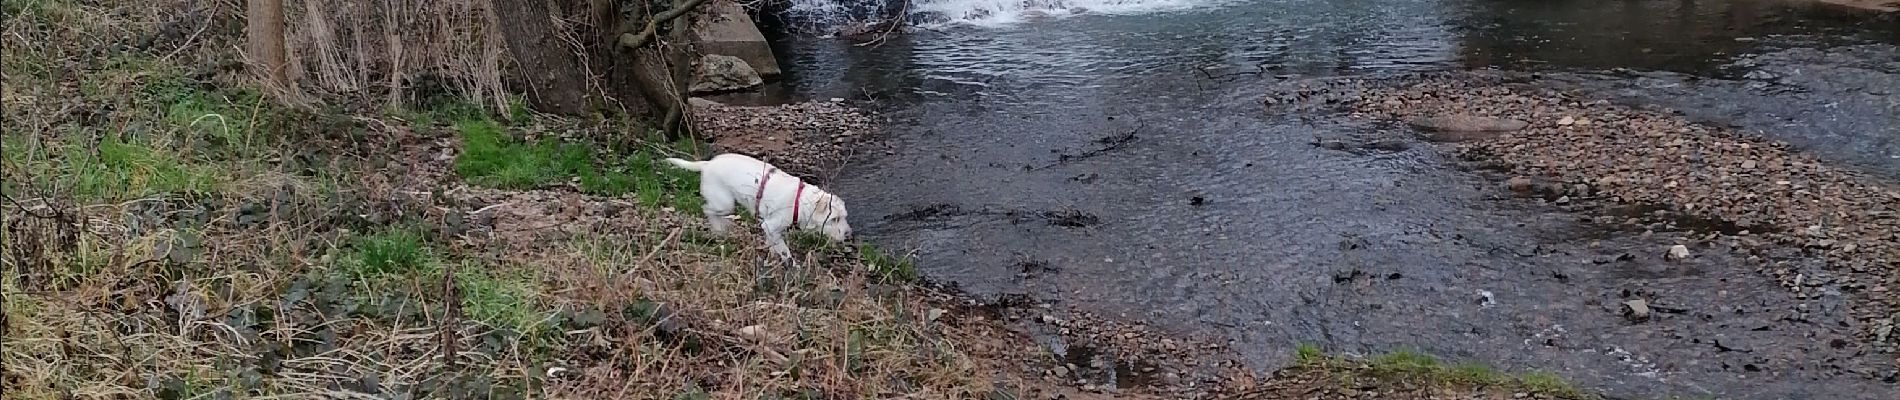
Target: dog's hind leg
[[719, 206]]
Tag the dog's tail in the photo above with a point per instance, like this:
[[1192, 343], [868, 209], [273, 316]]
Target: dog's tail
[[686, 165]]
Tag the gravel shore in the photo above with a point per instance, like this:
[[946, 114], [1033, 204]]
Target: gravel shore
[[806, 139], [1764, 193]]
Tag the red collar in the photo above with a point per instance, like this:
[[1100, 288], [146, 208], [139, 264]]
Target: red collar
[[758, 198]]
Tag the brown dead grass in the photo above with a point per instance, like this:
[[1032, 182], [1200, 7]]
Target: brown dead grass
[[236, 248], [169, 235]]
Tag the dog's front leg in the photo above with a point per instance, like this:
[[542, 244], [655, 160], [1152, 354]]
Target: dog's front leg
[[775, 240]]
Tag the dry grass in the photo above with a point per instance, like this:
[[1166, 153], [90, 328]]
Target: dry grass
[[401, 50], [170, 234], [743, 327]]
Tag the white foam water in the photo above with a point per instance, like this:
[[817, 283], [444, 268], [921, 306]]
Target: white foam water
[[981, 13], [988, 13]]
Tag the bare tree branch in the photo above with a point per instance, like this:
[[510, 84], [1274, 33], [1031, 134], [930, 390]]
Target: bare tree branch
[[645, 37]]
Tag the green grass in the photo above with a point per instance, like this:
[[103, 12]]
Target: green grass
[[395, 251], [1546, 382], [156, 132], [1406, 362], [1308, 354], [115, 169], [1409, 364], [491, 157], [890, 267], [665, 186], [501, 297], [896, 268], [229, 120]]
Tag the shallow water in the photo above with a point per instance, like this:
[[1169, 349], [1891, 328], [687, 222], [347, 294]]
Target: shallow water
[[1126, 159]]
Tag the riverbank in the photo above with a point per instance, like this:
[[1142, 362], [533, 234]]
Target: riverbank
[[172, 234], [1885, 6], [504, 259], [1725, 186]]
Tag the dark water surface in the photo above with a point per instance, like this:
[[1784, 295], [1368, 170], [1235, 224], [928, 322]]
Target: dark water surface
[[1131, 156]]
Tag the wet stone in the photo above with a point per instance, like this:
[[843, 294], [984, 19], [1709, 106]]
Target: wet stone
[[1464, 127]]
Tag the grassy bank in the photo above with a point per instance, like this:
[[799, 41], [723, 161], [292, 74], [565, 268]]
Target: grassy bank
[[170, 233], [1410, 374]]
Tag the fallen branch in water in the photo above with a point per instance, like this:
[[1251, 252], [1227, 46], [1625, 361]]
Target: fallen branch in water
[[1110, 143]]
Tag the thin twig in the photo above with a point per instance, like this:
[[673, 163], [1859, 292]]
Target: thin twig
[[454, 304], [188, 41], [891, 26], [55, 211], [670, 236]]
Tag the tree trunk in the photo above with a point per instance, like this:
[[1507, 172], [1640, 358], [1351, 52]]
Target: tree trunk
[[556, 81], [661, 63], [623, 68], [264, 41]]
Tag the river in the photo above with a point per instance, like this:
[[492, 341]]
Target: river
[[1113, 156]]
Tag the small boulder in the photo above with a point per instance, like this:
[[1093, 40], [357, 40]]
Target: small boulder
[[1521, 185], [1678, 252], [1463, 127], [717, 73], [1636, 310], [700, 103]]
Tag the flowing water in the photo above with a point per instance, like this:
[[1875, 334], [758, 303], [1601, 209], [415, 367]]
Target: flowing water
[[1113, 156]]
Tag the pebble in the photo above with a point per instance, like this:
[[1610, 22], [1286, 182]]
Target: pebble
[[1636, 310], [1678, 252], [1520, 184], [800, 138]]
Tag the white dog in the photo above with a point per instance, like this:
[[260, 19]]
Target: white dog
[[780, 200]]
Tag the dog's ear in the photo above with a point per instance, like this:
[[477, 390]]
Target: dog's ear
[[824, 204]]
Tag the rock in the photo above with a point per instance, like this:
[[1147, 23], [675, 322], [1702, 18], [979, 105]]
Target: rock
[[717, 73], [1678, 252], [933, 314], [1467, 123], [1521, 185], [704, 103], [725, 29], [1636, 310], [1566, 121], [754, 332]]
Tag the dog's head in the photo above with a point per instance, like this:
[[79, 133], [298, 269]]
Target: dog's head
[[832, 217]]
